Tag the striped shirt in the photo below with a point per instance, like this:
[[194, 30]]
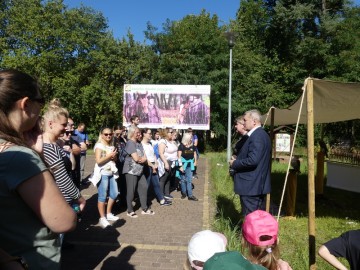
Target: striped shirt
[[54, 159]]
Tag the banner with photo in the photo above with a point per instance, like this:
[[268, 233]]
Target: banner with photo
[[160, 106]]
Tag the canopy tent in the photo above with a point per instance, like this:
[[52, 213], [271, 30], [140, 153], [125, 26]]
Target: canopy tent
[[326, 102], [333, 102]]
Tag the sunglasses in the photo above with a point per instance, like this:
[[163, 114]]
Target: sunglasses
[[107, 134]]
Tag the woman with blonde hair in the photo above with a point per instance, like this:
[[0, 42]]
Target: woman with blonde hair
[[33, 209], [54, 125], [105, 157], [187, 162]]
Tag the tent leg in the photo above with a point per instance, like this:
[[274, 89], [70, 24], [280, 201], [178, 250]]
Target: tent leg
[[311, 182], [274, 152], [319, 189]]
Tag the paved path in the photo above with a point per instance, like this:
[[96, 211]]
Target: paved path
[[144, 243]]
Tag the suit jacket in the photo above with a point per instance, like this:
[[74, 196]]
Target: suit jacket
[[240, 144], [252, 165]]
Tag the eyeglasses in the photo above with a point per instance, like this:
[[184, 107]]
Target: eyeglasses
[[107, 134]]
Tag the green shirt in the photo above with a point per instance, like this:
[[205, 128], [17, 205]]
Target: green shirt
[[21, 231]]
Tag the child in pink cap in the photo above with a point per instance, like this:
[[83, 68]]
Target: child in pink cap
[[260, 239]]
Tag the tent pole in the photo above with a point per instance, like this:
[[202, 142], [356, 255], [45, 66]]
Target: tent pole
[[311, 178], [273, 152]]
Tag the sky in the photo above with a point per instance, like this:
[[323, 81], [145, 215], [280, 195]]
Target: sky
[[134, 14]]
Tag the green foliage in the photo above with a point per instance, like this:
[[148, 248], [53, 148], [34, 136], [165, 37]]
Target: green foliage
[[194, 51], [278, 44], [74, 56]]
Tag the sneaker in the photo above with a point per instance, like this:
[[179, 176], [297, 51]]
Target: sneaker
[[132, 214], [183, 196], [111, 217], [166, 203], [192, 198], [103, 222], [148, 212], [168, 197]]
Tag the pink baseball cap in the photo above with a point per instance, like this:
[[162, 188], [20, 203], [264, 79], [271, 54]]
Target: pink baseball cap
[[260, 228]]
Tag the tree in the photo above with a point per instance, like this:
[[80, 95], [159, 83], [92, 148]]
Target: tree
[[74, 57], [194, 51]]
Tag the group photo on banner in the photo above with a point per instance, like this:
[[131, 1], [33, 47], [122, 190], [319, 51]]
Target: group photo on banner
[[177, 106]]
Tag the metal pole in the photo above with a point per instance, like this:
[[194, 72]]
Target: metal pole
[[229, 110]]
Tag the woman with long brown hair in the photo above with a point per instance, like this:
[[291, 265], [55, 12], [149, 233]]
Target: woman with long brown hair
[[33, 209]]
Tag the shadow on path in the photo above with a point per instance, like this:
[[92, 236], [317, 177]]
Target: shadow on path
[[121, 261]]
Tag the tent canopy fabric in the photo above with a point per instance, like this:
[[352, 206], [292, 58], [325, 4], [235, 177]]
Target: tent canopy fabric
[[333, 102]]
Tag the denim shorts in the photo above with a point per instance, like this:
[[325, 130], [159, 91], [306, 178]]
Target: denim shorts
[[105, 181]]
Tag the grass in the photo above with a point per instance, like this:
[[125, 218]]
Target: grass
[[336, 211]]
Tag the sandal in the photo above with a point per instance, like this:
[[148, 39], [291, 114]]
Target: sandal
[[132, 214], [148, 212]]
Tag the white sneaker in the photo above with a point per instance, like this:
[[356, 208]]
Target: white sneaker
[[111, 217], [103, 222]]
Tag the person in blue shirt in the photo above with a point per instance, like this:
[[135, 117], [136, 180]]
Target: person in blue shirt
[[84, 142]]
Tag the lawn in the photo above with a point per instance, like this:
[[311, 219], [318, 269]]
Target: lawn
[[336, 211]]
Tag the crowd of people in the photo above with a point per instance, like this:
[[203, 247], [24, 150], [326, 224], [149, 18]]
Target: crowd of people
[[42, 169], [146, 163]]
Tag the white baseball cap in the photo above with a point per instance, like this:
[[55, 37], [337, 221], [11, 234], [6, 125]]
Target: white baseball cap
[[205, 244]]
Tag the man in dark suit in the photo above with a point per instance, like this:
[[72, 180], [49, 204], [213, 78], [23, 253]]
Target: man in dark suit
[[252, 165]]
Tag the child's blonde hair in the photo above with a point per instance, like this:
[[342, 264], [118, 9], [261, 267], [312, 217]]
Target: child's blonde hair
[[267, 256]]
